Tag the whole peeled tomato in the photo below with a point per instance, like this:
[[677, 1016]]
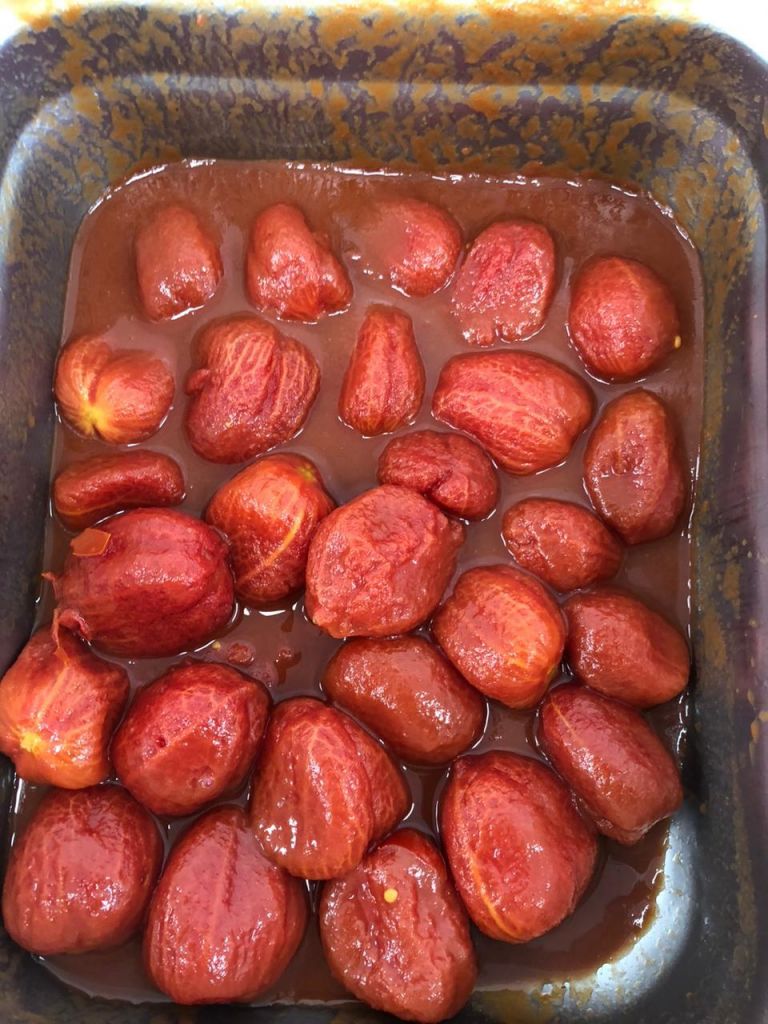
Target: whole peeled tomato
[[178, 265], [620, 770], [81, 875], [395, 934], [622, 321], [503, 632], [190, 737], [119, 396], [621, 647], [150, 583], [323, 790], [405, 691], [449, 469], [58, 707], [412, 243], [379, 565], [383, 386], [269, 513], [252, 389], [524, 409], [634, 470], [224, 922], [85, 492], [519, 852], [505, 285], [564, 544], [290, 269]]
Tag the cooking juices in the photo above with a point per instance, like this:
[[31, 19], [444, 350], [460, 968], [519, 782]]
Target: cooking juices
[[279, 646]]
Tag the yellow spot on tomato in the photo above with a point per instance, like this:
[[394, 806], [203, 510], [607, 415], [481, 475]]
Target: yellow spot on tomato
[[390, 895], [30, 742], [93, 419]]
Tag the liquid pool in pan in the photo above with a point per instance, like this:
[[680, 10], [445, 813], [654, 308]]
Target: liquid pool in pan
[[586, 218]]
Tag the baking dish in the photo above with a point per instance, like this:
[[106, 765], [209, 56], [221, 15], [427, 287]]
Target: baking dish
[[90, 95]]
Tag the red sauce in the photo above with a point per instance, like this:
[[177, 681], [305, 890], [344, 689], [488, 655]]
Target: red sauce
[[288, 652]]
